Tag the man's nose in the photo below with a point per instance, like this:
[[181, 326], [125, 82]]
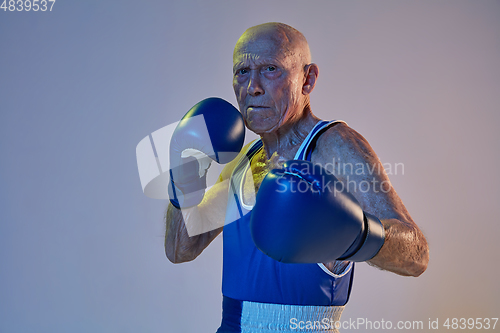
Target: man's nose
[[254, 85]]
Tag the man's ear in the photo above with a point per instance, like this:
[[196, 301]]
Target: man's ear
[[311, 72]]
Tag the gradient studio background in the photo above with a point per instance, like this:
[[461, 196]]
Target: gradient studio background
[[81, 247]]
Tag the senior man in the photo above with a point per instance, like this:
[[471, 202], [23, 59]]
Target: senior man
[[288, 257]]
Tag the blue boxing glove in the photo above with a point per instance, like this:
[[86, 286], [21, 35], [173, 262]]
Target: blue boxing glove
[[303, 214], [212, 130]]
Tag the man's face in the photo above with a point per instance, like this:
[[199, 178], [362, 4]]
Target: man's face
[[267, 83]]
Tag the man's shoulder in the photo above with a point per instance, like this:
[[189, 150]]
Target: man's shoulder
[[342, 141]]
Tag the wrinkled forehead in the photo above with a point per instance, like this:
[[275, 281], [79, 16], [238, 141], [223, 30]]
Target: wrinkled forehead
[[256, 46]]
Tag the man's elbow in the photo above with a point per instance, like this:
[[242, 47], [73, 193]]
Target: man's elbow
[[420, 264], [174, 258], [418, 270], [171, 257]]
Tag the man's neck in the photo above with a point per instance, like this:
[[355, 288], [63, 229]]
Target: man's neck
[[286, 140]]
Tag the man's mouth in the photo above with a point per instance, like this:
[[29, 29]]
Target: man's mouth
[[257, 107]]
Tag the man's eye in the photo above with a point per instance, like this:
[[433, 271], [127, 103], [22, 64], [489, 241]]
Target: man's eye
[[271, 68], [241, 71]]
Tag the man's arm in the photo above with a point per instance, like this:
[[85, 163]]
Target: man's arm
[[209, 215], [346, 154], [179, 246]]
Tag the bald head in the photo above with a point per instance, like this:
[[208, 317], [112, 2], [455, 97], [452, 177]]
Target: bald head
[[289, 41]]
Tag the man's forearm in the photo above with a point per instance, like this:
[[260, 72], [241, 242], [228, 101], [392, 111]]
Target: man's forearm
[[405, 251], [178, 244], [203, 222]]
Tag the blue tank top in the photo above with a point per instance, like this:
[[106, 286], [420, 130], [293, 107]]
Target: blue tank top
[[250, 275]]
